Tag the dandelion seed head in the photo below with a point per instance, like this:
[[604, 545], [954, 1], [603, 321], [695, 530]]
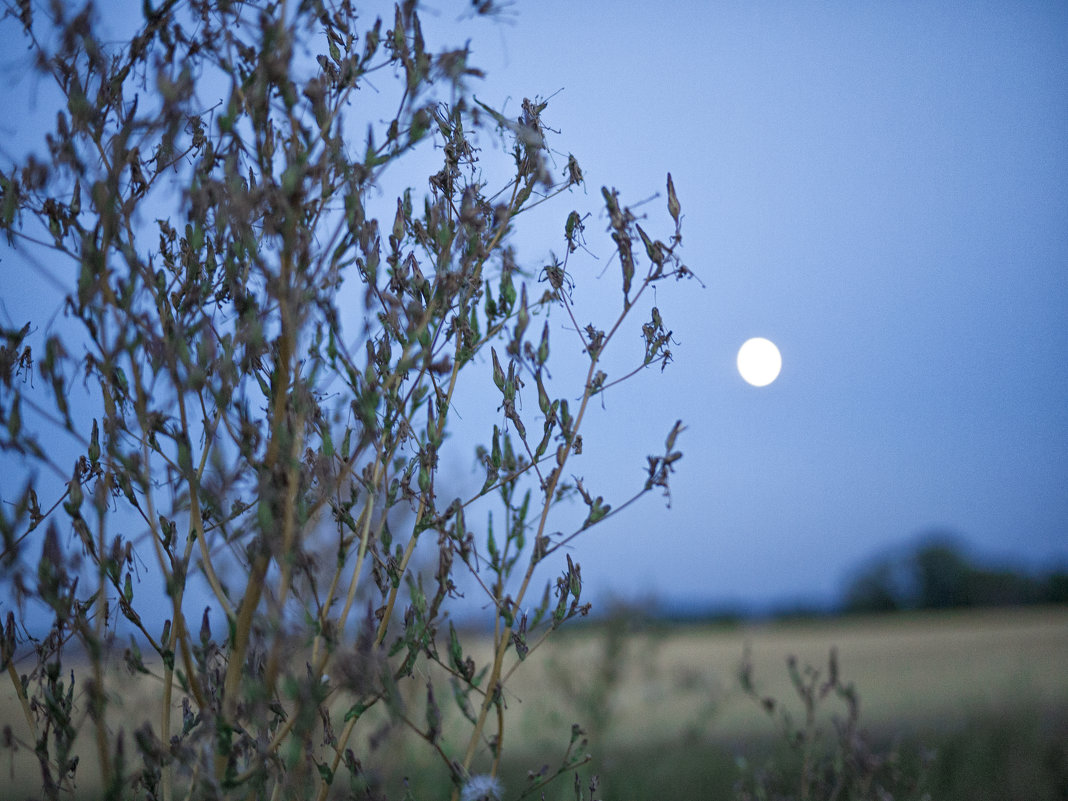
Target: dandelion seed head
[[482, 788]]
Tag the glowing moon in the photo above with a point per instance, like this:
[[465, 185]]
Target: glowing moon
[[759, 361]]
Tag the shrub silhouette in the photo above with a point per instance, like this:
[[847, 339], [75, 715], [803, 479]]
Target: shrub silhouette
[[938, 574]]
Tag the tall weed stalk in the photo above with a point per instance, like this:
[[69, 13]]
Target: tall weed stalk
[[262, 342]]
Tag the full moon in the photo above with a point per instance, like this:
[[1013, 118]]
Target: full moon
[[759, 361]]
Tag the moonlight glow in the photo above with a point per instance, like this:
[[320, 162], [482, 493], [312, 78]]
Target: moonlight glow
[[759, 361]]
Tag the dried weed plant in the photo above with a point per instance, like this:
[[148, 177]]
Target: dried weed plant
[[271, 336]]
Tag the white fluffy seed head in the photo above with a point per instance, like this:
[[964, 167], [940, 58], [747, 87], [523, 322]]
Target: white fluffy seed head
[[482, 788]]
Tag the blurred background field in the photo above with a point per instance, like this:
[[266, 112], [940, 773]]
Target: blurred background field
[[981, 694], [921, 669]]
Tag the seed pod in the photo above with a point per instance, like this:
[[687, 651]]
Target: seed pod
[[673, 201]]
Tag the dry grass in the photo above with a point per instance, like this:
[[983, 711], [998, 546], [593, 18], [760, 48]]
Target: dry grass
[[911, 671]]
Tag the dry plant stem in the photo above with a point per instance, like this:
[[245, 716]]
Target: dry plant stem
[[196, 524], [440, 425], [168, 670], [242, 632], [318, 659], [366, 513], [364, 522], [44, 515], [258, 572], [16, 681], [380, 635], [357, 569], [409, 549], [324, 615], [502, 641], [291, 324], [167, 771], [98, 689], [495, 768], [289, 516], [346, 733], [97, 652], [178, 636], [319, 663], [196, 518], [615, 511]]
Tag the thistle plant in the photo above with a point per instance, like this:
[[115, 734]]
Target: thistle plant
[[256, 366]]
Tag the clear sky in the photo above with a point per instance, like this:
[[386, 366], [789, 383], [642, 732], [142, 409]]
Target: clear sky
[[882, 190]]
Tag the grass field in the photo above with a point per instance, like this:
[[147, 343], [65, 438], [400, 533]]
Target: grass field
[[665, 715], [923, 670], [984, 692]]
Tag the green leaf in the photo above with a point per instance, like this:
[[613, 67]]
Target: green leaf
[[94, 443], [498, 372], [522, 321], [543, 346], [495, 454], [677, 429], [456, 652], [543, 397], [571, 228], [491, 542], [185, 457], [654, 250], [673, 201], [355, 711], [508, 293], [433, 715], [74, 502], [325, 772], [524, 194]]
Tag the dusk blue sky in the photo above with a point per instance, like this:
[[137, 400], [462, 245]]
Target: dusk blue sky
[[882, 190], [879, 188]]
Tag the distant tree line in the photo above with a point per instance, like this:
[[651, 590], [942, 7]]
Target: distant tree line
[[938, 574]]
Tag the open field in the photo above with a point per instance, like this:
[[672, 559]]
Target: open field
[[983, 692], [649, 695], [922, 670]]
